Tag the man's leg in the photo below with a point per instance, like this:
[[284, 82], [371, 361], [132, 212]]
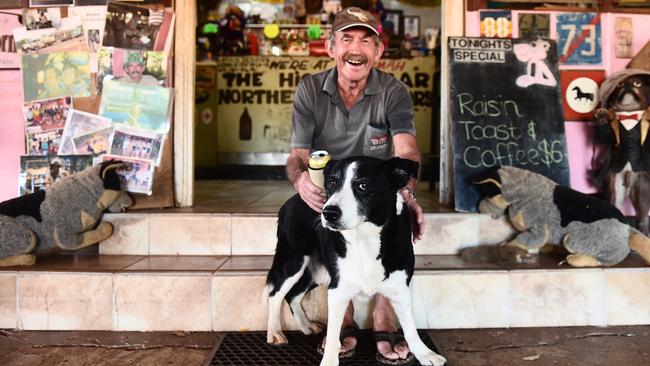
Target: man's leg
[[384, 320]]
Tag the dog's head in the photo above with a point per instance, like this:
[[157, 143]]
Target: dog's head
[[363, 189], [113, 198], [626, 90], [488, 184]]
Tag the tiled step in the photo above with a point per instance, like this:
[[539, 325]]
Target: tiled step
[[161, 233], [220, 293]]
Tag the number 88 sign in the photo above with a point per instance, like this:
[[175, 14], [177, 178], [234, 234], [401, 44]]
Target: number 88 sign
[[496, 24], [578, 38]]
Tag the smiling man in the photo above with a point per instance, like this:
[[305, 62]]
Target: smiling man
[[350, 110]]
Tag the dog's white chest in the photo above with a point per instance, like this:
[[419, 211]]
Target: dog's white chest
[[361, 266]]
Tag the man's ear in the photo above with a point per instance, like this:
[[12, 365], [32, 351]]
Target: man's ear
[[400, 171], [329, 46], [380, 50]]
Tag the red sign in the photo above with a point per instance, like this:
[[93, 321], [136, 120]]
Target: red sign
[[580, 93]]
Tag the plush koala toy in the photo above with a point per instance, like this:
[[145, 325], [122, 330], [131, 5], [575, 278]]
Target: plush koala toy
[[543, 212], [66, 216]]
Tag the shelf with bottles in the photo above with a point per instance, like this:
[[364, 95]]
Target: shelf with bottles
[[289, 39]]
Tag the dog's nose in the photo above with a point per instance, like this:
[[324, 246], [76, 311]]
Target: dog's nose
[[331, 213]]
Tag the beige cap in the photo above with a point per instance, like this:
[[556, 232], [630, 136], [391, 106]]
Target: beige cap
[[354, 17]]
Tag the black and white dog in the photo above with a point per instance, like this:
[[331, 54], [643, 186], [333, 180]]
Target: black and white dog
[[360, 244]]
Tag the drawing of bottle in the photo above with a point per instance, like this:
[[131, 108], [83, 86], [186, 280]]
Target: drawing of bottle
[[245, 126]]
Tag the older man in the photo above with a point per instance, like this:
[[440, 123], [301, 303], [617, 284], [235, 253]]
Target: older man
[[134, 67], [355, 109]]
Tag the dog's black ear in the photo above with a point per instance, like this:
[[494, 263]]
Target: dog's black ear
[[328, 167], [401, 170], [488, 182], [109, 176]]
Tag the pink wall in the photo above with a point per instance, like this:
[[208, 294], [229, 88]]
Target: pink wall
[[579, 134], [12, 131]]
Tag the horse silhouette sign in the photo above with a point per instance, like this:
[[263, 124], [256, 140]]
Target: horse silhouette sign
[[505, 110], [580, 93]]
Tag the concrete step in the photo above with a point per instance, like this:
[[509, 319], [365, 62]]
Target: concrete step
[[168, 233], [223, 293]]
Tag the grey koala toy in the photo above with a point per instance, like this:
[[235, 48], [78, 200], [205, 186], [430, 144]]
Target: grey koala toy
[[543, 212], [66, 216]]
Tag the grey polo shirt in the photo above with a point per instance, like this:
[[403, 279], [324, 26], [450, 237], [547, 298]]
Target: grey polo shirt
[[320, 120]]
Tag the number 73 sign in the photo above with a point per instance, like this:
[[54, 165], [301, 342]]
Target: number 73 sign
[[578, 38]]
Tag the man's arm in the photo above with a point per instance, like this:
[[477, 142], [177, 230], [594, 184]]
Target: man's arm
[[406, 147], [298, 176]]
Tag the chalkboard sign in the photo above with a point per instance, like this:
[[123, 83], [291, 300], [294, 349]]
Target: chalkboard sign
[[506, 109]]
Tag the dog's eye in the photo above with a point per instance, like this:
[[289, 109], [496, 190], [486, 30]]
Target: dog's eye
[[620, 85], [637, 84], [330, 183], [362, 186]]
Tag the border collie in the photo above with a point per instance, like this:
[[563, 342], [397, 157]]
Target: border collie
[[360, 244]]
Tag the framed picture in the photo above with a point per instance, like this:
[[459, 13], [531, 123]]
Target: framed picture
[[412, 26], [393, 25]]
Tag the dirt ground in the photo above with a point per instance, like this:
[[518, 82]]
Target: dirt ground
[[568, 346]]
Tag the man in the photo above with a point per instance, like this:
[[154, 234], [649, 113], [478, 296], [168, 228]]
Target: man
[[134, 69], [355, 109]]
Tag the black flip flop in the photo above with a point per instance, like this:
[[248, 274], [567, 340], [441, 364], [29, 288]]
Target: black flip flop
[[393, 338], [351, 331]]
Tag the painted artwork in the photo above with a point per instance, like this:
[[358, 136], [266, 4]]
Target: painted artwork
[[580, 93], [579, 38], [496, 23], [534, 25], [137, 105], [134, 66], [56, 74], [46, 114]]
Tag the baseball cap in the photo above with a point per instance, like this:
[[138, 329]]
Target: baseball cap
[[354, 17]]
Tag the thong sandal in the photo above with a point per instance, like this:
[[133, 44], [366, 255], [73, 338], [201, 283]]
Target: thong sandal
[[393, 338], [347, 332]]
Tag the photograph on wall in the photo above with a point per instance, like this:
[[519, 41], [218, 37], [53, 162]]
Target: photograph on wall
[[137, 105], [579, 38], [131, 26], [496, 23], [69, 36], [132, 66], [40, 172], [40, 18], [514, 116], [93, 20], [136, 176], [80, 123], [392, 24], [44, 142], [412, 26], [9, 56], [92, 143], [56, 74], [534, 25], [136, 143], [46, 114]]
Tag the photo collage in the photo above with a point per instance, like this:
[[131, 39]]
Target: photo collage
[[115, 52]]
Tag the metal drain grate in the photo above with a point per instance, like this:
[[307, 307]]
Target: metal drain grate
[[251, 349]]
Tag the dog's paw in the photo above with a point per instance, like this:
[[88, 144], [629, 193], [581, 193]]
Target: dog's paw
[[312, 328], [431, 358], [276, 338]]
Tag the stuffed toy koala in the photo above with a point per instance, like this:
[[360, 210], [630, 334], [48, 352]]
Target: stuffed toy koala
[[543, 212], [621, 124], [66, 216]]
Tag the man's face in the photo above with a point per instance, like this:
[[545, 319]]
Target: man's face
[[135, 70], [355, 53]]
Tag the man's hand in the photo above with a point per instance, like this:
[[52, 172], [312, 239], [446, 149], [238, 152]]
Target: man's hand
[[312, 195], [417, 214]]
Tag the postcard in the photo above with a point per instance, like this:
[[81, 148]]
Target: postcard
[[80, 123], [132, 26], [40, 172], [46, 114], [93, 20], [136, 143], [136, 175], [44, 142], [137, 105], [9, 56], [56, 74], [42, 18], [69, 36], [133, 66], [92, 143]]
